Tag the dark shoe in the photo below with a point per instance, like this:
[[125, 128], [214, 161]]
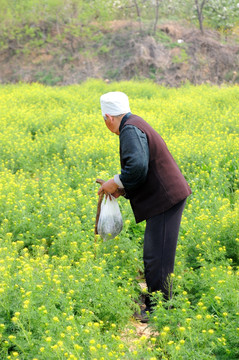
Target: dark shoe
[[143, 317]]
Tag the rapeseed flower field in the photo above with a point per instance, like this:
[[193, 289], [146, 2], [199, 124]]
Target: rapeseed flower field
[[64, 295]]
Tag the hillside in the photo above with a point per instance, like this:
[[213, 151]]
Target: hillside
[[178, 53]]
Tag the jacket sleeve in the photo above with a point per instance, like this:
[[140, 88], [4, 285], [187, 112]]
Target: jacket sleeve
[[134, 156]]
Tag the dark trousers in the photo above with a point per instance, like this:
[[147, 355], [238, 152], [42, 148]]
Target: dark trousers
[[160, 241]]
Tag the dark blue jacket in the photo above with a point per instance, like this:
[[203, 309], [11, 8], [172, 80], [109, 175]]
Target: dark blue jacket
[[134, 153]]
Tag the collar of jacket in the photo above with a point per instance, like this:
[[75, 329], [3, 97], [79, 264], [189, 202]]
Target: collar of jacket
[[124, 119]]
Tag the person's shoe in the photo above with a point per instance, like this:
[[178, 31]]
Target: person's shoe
[[143, 317]]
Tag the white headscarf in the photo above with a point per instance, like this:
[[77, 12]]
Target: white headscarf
[[114, 103]]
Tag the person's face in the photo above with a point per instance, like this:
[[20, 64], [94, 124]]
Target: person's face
[[112, 123]]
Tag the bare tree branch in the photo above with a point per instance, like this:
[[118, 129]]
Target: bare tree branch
[[138, 14], [199, 8], [156, 16]]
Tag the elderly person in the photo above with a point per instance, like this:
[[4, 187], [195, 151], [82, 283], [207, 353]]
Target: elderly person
[[157, 190]]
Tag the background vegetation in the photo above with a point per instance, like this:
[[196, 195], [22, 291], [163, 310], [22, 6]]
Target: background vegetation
[[60, 42], [28, 23]]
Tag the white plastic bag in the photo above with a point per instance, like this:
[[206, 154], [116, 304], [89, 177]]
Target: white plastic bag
[[110, 221]]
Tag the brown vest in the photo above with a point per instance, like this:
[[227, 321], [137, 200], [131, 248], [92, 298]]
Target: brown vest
[[165, 185]]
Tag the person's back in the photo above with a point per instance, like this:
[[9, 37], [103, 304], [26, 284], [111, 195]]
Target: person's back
[[165, 185]]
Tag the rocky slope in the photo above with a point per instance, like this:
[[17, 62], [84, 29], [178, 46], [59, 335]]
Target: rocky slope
[[177, 54]]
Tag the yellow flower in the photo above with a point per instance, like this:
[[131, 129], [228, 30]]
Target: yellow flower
[[166, 328], [181, 328], [143, 338], [11, 337]]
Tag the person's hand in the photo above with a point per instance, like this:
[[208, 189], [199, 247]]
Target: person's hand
[[119, 192], [109, 187]]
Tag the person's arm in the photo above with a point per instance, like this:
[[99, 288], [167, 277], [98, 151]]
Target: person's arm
[[135, 154]]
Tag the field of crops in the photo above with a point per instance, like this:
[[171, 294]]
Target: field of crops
[[65, 296]]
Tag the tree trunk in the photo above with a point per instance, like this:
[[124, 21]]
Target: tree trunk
[[138, 15], [199, 8], [156, 16]]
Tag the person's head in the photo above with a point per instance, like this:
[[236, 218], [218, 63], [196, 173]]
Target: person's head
[[114, 105]]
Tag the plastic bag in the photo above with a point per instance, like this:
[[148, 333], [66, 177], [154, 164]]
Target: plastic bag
[[110, 221]]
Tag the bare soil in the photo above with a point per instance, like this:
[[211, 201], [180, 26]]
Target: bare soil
[[177, 54]]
